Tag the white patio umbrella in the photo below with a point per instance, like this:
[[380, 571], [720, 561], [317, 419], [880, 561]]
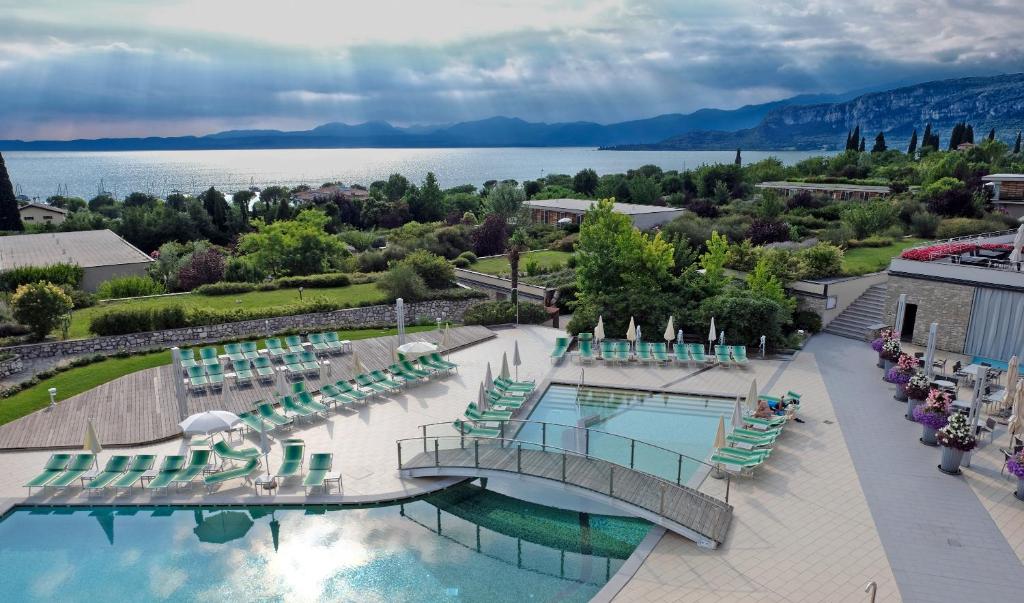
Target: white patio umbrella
[[488, 379], [91, 442], [282, 383], [631, 331], [1018, 242], [720, 434], [417, 348], [599, 329], [400, 319], [752, 396], [1016, 421], [481, 398], [504, 366], [211, 421], [737, 414], [516, 361], [357, 365], [929, 355], [712, 334], [444, 338], [670, 331]]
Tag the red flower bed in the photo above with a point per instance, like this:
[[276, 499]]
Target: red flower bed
[[934, 252]]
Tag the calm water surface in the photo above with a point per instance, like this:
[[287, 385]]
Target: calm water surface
[[39, 174]]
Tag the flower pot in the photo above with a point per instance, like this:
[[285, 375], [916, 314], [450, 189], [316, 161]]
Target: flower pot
[[911, 405], [1020, 488], [901, 393], [928, 435], [881, 362], [887, 364], [951, 458]]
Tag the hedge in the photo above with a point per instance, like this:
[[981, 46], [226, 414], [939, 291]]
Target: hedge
[[503, 312], [69, 275], [316, 281]]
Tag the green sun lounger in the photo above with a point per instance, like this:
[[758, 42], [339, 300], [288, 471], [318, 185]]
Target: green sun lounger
[[659, 351], [346, 388], [393, 381], [292, 406], [586, 350], [743, 453], [319, 344], [309, 362], [54, 467], [169, 469], [496, 399], [188, 358], [274, 347], [749, 441], [215, 375], [243, 371], [561, 347], [198, 462], [722, 355], [401, 375], [739, 355], [758, 433], [267, 413], [115, 468], [680, 354], [291, 463], [331, 337], [197, 379], [139, 466], [319, 473], [335, 396], [306, 399], [473, 413], [80, 464], [412, 370], [234, 351], [264, 369], [622, 351], [435, 357], [294, 344], [607, 351], [293, 364], [250, 351], [209, 356], [643, 352], [244, 471], [366, 381], [736, 465], [467, 428], [696, 352], [255, 423], [514, 386], [227, 453], [763, 424]]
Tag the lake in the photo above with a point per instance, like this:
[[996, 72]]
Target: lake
[[41, 173]]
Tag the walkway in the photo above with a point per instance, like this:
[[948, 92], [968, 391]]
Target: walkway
[[141, 407], [941, 541]]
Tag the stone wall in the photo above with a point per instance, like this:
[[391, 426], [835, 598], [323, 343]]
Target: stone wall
[[348, 318], [10, 366], [948, 304]]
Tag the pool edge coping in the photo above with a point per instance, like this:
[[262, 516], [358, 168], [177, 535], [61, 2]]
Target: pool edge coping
[[632, 565]]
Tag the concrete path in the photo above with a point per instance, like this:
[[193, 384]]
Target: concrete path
[[941, 542]]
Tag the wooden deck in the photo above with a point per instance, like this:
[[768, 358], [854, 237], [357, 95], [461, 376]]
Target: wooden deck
[[141, 407], [690, 513]]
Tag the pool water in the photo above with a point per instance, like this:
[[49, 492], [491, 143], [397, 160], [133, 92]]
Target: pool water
[[462, 544], [679, 423]]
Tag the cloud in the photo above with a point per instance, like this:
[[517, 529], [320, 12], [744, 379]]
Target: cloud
[[110, 67]]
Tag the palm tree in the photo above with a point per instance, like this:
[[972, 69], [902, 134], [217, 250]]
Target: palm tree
[[515, 247]]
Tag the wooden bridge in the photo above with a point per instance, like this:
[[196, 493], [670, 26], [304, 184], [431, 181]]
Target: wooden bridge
[[672, 505]]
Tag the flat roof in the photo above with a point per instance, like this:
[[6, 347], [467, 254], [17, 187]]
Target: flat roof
[[582, 205], [822, 186], [1010, 177], [86, 248]]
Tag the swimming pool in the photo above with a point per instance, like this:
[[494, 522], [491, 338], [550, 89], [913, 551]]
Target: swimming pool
[[680, 423], [461, 544]]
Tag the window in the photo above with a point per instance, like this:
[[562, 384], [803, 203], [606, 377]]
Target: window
[[28, 218], [47, 218]]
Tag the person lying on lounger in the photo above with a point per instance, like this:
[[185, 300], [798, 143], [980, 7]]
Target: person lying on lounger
[[763, 410]]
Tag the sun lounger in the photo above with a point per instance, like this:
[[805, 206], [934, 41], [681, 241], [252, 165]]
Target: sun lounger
[[197, 379], [331, 337], [346, 388], [309, 363], [507, 385], [561, 347], [496, 399], [659, 351], [267, 412], [332, 394], [319, 345], [245, 471], [274, 347], [722, 355], [295, 408], [264, 369], [250, 351], [748, 441], [758, 433], [643, 352], [736, 465], [473, 413], [80, 465], [607, 351], [412, 370], [139, 466], [319, 473], [198, 463], [743, 453], [115, 467], [209, 356], [696, 353], [366, 381], [215, 376], [435, 359], [739, 355], [292, 364], [227, 453], [188, 358], [680, 354], [233, 351], [255, 422], [586, 350], [243, 371], [467, 428], [291, 463], [306, 399], [54, 467], [763, 424], [294, 344], [169, 469]]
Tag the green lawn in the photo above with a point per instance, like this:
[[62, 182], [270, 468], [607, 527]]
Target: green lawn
[[499, 265], [865, 260], [83, 378], [353, 294]]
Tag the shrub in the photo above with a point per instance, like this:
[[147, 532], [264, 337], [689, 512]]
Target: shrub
[[435, 271], [314, 281], [807, 320], [40, 306], [870, 217], [489, 237], [69, 275], [820, 261], [241, 270], [874, 241], [371, 261], [924, 224], [838, 234], [764, 231], [960, 227], [460, 262], [566, 243], [469, 256], [403, 281], [80, 299], [202, 267], [225, 288], [949, 197], [745, 317], [129, 286], [503, 312]]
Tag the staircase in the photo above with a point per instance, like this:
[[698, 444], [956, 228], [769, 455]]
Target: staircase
[[866, 310]]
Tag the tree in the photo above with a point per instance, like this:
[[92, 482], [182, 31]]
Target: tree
[[912, 148], [879, 144], [516, 246], [713, 260], [40, 306], [284, 211], [991, 134], [644, 190], [203, 267], [861, 149], [969, 134], [401, 280], [436, 272], [217, 207], [929, 140], [853, 141], [1016, 145], [739, 159], [585, 182], [140, 200], [426, 203], [506, 201], [489, 237], [763, 284], [396, 187], [293, 247], [10, 217]]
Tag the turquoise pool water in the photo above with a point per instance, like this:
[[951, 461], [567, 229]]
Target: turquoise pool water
[[679, 423], [463, 544]]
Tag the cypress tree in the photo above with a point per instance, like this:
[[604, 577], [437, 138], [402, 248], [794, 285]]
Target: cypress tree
[[848, 139], [879, 144], [739, 159], [855, 140], [926, 140], [968, 133], [1016, 145], [861, 149], [956, 136], [10, 217], [991, 134], [913, 144]]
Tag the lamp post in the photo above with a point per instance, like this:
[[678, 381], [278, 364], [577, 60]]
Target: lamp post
[[300, 293], [53, 397]]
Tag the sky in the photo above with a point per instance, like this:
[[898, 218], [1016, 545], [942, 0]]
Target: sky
[[108, 68]]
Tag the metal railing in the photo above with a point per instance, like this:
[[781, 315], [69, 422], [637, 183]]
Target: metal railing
[[658, 461]]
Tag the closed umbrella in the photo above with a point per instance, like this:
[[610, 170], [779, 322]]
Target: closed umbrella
[[670, 331], [929, 354], [282, 383], [228, 399], [223, 527], [1016, 422], [504, 367], [720, 435], [752, 396], [737, 414], [712, 333], [357, 365], [481, 398], [444, 338], [631, 331], [516, 361], [1012, 373], [488, 379], [599, 329], [211, 421], [265, 446], [91, 443], [1018, 242]]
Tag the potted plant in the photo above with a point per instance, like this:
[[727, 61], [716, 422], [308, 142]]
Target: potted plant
[[890, 352], [1015, 465], [917, 389], [877, 343], [955, 439], [900, 374], [932, 415]]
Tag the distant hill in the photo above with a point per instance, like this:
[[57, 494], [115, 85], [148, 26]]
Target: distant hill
[[985, 102], [490, 132]]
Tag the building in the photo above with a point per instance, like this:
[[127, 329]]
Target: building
[[330, 193], [101, 253], [35, 213], [1007, 192], [644, 217], [969, 287], [839, 192]]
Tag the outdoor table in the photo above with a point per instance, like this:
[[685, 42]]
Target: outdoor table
[[943, 384], [268, 485], [961, 406]]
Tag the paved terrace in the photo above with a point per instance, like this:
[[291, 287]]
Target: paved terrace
[[806, 526]]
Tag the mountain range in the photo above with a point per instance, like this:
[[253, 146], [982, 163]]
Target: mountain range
[[799, 122]]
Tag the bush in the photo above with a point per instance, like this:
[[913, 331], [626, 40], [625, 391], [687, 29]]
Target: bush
[[68, 275], [875, 241], [838, 234], [868, 218], [202, 267], [807, 320], [371, 261], [924, 224], [79, 298], [40, 306], [239, 270], [314, 281], [227, 288], [469, 256], [129, 286], [461, 263], [138, 320], [960, 227], [13, 329], [745, 317], [566, 243], [767, 231], [949, 197], [820, 261], [403, 281], [503, 312], [435, 271]]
